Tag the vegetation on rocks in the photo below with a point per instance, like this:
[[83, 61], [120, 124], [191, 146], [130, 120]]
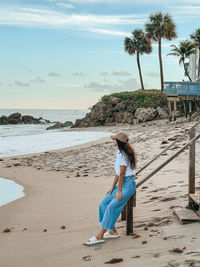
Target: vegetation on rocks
[[145, 98]]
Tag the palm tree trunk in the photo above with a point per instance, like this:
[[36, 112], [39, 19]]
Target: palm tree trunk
[[186, 71], [139, 68], [199, 64], [161, 66]]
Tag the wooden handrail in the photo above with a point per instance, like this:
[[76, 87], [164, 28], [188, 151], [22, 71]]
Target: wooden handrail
[[167, 148], [167, 161], [191, 144]]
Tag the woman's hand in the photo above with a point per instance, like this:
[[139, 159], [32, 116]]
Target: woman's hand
[[110, 191], [119, 196]]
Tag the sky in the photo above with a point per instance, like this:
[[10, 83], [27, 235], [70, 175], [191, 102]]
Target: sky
[[67, 54]]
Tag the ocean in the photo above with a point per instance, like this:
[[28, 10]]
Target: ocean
[[34, 138], [27, 139]]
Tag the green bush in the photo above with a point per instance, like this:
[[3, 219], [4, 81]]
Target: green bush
[[145, 98]]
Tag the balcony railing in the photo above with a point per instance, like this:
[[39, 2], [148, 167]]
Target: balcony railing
[[182, 88]]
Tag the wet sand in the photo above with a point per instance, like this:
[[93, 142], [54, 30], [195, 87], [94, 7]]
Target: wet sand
[[64, 187]]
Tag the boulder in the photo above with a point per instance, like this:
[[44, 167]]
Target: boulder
[[110, 121], [4, 120], [15, 116], [124, 117], [145, 114], [59, 125], [114, 101], [162, 113], [27, 119], [68, 124]]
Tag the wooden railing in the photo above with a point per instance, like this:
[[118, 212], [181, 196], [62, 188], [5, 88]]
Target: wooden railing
[[128, 211]]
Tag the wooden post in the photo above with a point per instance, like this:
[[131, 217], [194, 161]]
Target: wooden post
[[181, 109], [134, 199], [185, 108], [191, 183], [123, 214], [190, 108], [170, 110], [175, 109], [129, 216]]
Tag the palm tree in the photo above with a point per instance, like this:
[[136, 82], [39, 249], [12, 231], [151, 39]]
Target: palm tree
[[183, 51], [196, 38], [160, 26], [138, 44]]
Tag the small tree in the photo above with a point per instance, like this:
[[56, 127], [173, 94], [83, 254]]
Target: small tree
[[196, 38], [160, 26], [183, 51], [139, 44]]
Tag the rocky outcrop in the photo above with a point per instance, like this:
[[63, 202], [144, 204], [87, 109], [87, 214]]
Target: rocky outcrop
[[144, 115], [59, 125], [17, 118], [162, 113], [120, 111]]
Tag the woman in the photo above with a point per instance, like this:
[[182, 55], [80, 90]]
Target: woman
[[116, 198]]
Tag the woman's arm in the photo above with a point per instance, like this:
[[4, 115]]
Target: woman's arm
[[115, 180], [120, 182], [113, 184]]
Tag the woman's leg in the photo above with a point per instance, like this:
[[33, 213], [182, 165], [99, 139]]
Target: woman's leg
[[115, 207], [105, 202]]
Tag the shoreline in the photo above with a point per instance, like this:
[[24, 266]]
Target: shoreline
[[14, 193], [55, 196]]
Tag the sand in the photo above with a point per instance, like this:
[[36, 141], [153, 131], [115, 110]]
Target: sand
[[64, 187]]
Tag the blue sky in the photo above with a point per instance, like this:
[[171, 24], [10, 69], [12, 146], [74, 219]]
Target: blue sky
[[66, 54]]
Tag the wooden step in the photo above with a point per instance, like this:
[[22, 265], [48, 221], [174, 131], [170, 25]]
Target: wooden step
[[186, 215], [195, 198]]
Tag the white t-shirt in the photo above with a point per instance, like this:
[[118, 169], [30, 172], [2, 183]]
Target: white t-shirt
[[122, 159]]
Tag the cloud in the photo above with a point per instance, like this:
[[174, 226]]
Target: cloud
[[69, 85], [186, 10], [23, 84], [46, 18], [153, 74], [75, 74], [53, 74], [121, 73], [110, 32], [64, 5], [38, 80], [116, 73], [135, 2], [127, 85], [104, 73]]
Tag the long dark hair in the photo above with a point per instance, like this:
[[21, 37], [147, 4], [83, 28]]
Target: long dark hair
[[128, 150]]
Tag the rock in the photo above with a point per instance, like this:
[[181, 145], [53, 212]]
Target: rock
[[110, 121], [7, 230], [144, 115], [124, 117], [112, 110], [27, 119], [68, 124], [178, 114], [15, 116], [162, 113], [114, 100], [59, 125], [4, 120]]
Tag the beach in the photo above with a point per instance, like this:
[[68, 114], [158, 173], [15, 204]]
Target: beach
[[63, 189]]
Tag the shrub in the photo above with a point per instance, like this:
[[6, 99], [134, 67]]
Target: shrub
[[145, 98]]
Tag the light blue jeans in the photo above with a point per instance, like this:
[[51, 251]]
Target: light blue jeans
[[110, 208]]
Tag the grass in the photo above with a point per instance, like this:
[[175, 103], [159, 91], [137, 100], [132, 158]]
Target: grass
[[145, 98]]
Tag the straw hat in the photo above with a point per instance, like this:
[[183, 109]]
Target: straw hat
[[122, 137]]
